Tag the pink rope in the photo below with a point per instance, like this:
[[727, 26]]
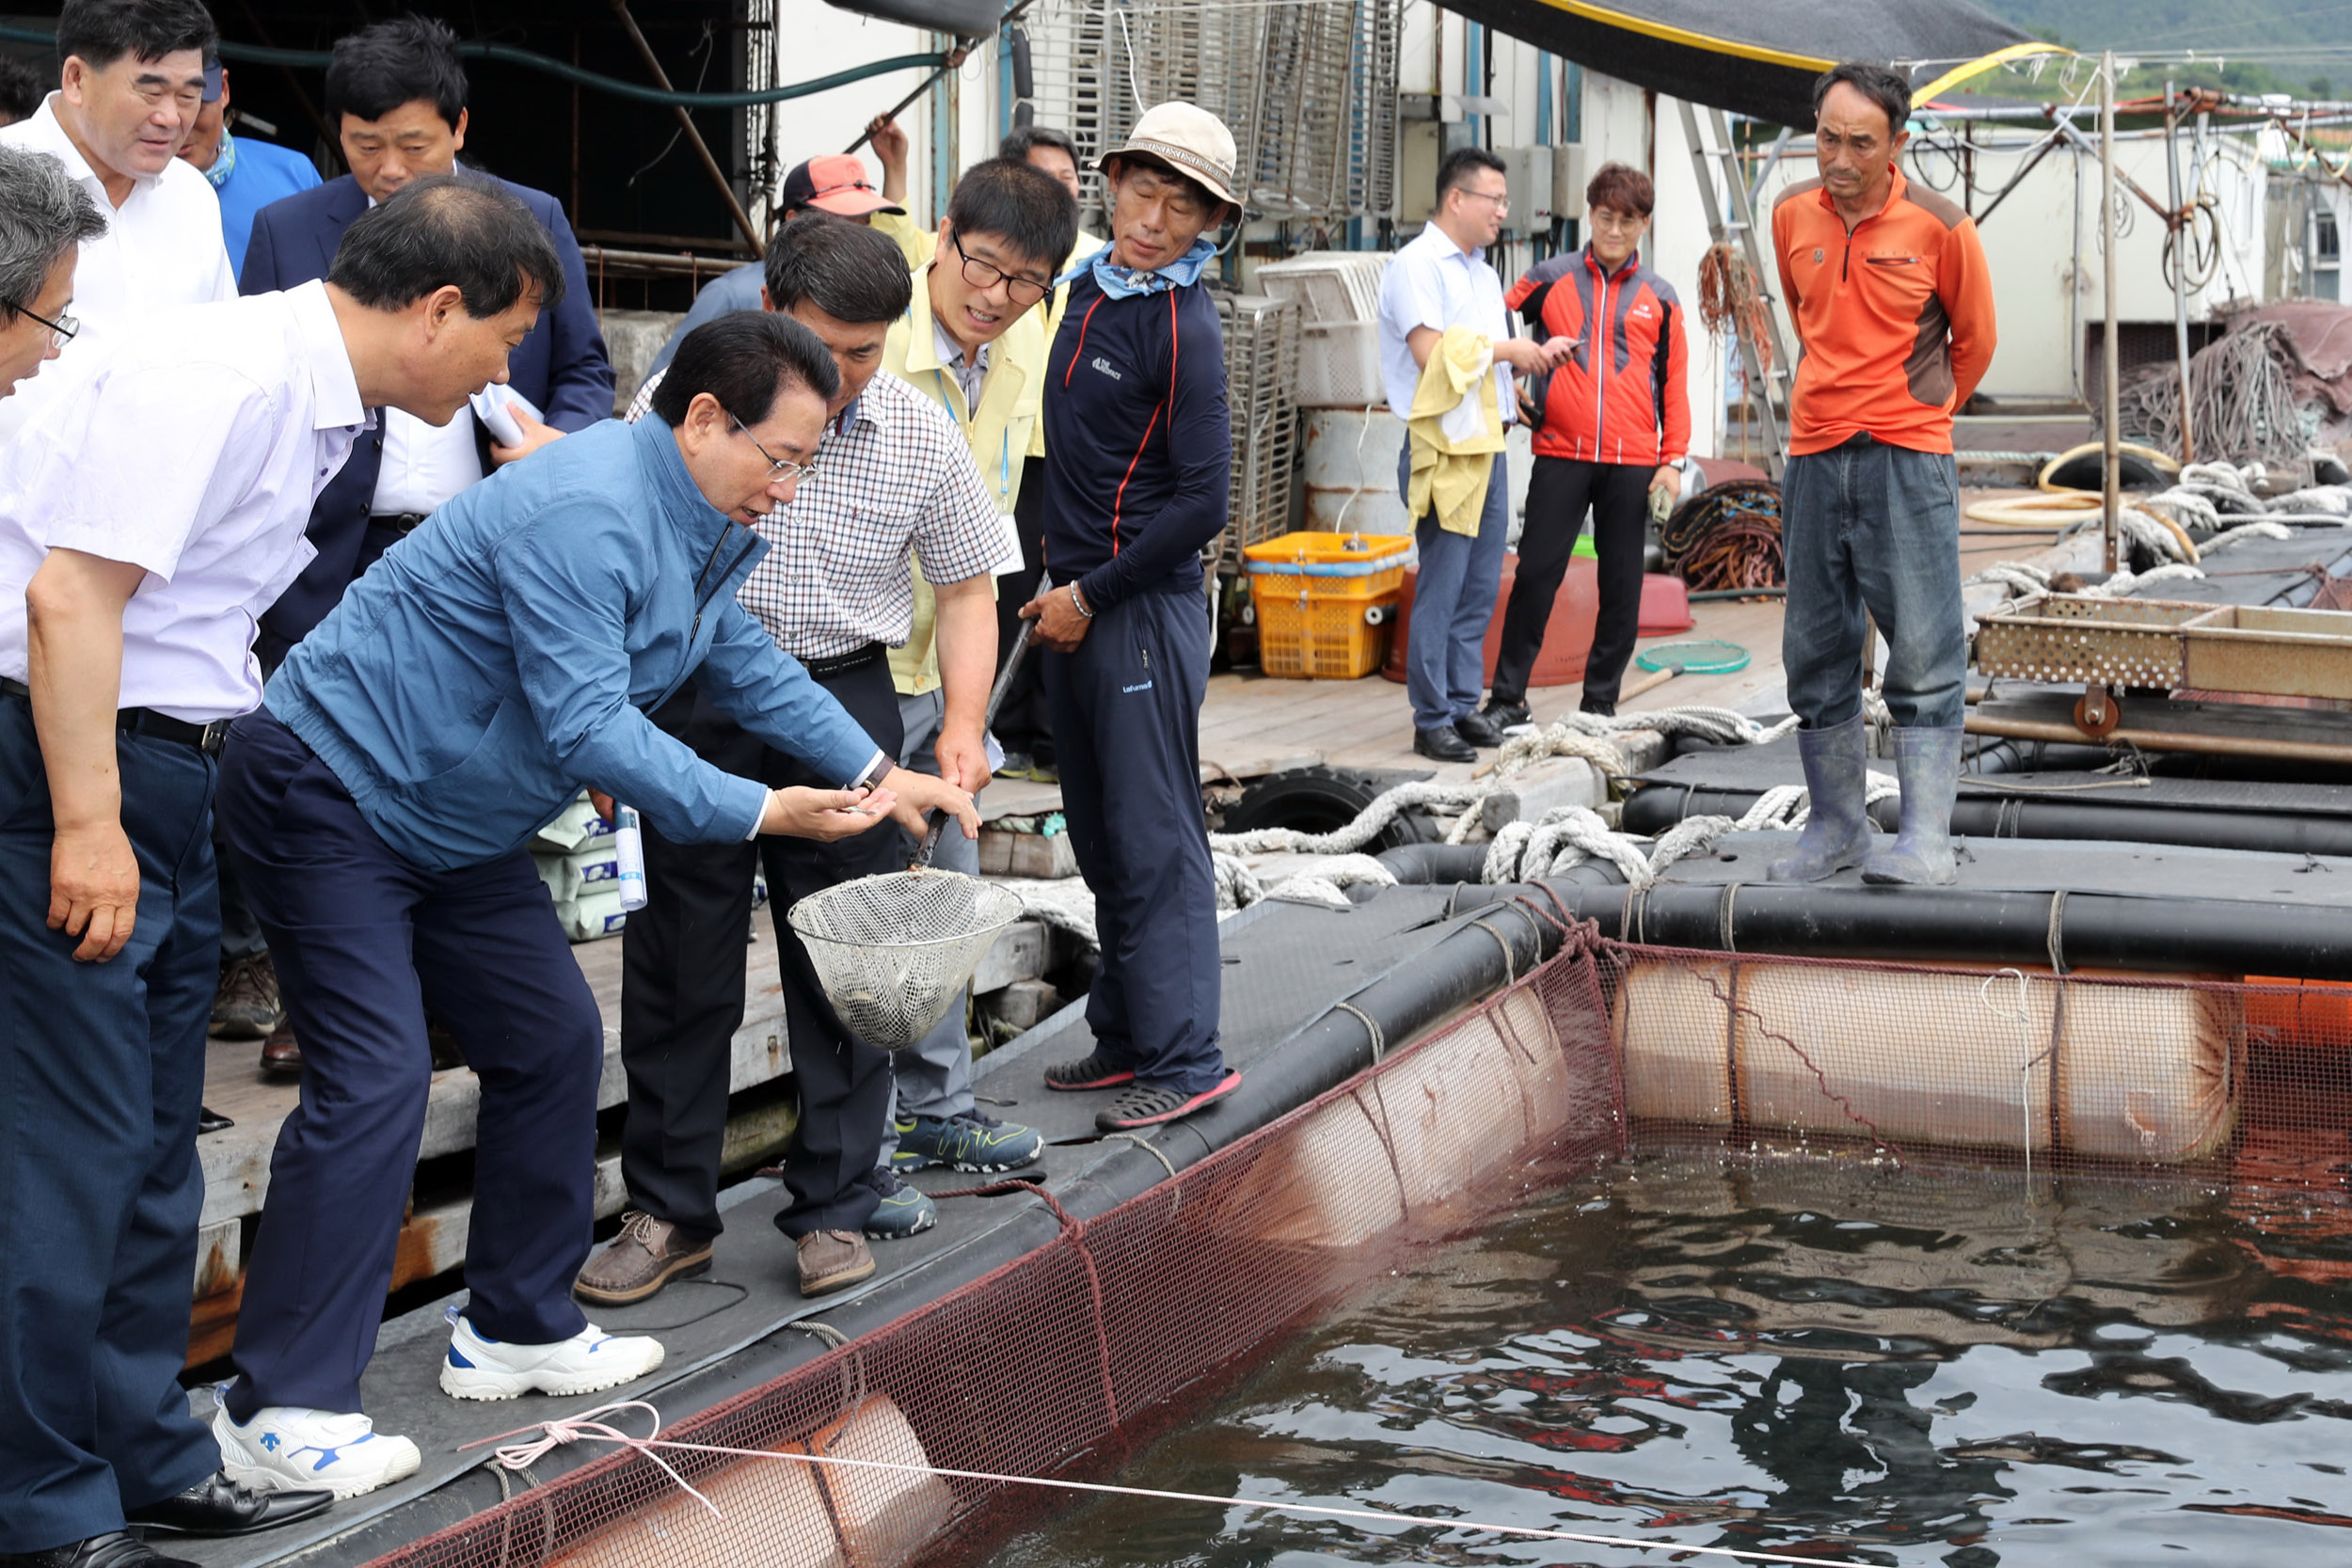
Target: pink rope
[[555, 1433]]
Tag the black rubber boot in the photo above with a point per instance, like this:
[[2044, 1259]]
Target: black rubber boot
[[1927, 762], [1837, 832]]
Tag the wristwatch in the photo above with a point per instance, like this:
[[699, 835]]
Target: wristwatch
[[875, 773]]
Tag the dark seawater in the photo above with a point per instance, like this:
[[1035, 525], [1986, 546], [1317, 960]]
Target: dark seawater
[[1823, 1354]]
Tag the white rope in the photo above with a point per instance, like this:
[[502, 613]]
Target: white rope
[[554, 1433], [2247, 530], [1429, 794], [2021, 579], [1237, 886], [2185, 506], [1326, 884], [2123, 583]]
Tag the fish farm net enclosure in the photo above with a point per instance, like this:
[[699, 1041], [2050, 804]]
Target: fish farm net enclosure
[[1784, 1082]]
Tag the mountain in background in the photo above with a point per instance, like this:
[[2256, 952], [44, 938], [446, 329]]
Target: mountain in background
[[2269, 28]]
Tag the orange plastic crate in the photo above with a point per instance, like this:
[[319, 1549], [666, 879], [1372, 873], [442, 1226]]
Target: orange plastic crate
[[1323, 601]]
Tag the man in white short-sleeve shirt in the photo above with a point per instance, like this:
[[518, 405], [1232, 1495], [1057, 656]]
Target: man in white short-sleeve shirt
[[132, 83], [148, 514], [1441, 280]]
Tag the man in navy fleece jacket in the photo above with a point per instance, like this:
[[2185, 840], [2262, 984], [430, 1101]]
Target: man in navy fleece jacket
[[1137, 453]]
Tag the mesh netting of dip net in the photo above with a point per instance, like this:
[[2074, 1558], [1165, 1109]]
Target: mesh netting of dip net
[[1061, 1360]]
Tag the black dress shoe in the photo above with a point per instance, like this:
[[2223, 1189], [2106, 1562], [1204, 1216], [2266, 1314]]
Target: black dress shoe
[[1503, 714], [1478, 730], [1596, 706], [114, 1549], [210, 1121], [1444, 745], [218, 1505]]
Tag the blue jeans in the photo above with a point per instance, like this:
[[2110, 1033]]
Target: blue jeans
[[1870, 524], [100, 1069], [1454, 598]]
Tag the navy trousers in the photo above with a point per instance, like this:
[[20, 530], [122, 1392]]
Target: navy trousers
[[366, 942], [102, 1067], [1454, 598], [682, 970], [1126, 711]]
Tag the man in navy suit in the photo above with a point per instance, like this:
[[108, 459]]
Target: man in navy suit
[[396, 95]]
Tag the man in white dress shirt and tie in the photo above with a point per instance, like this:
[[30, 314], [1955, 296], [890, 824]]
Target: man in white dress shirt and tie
[[149, 512]]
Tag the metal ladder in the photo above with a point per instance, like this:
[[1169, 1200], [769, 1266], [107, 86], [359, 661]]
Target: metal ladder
[[1767, 394]]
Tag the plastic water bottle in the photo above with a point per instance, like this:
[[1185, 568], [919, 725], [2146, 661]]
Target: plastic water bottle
[[628, 855]]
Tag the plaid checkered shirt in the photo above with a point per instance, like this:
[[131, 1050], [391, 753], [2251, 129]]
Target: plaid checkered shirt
[[893, 473]]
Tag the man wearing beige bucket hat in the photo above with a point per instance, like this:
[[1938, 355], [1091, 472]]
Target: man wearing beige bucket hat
[[1138, 450]]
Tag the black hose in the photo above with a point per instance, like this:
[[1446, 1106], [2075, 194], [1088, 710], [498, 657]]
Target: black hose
[[1954, 925], [1654, 810]]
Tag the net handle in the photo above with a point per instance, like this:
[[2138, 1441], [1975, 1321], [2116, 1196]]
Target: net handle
[[988, 719]]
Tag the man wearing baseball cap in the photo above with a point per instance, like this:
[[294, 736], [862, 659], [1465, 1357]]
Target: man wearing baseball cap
[[1138, 450], [835, 183]]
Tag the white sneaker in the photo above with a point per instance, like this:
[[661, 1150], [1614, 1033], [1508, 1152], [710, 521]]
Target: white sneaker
[[286, 1447], [478, 1367]]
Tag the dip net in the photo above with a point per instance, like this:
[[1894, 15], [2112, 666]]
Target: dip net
[[1117, 1323], [895, 952]]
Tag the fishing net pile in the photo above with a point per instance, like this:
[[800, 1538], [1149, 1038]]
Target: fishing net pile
[[2276, 386], [1728, 536]]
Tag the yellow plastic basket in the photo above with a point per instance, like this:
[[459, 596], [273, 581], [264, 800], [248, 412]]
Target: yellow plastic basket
[[1323, 601]]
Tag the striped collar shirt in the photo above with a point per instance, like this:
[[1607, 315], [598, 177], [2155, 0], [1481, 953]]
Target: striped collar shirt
[[894, 476]]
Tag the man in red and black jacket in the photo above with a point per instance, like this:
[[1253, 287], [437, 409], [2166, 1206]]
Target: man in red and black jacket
[[1612, 424]]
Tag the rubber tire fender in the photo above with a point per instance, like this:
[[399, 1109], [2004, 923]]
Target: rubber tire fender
[[1320, 800]]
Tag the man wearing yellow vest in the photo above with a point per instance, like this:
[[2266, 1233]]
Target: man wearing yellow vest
[[973, 341], [1022, 724]]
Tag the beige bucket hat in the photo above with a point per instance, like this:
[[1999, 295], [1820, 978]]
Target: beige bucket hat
[[1188, 139]]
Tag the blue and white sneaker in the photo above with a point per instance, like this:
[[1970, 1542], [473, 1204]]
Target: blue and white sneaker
[[288, 1449], [480, 1367], [970, 1142], [903, 1210]]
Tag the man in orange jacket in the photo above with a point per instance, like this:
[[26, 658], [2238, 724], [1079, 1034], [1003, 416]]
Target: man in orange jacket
[[1893, 307]]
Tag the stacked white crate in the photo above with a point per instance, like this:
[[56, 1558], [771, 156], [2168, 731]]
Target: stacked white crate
[[1339, 352]]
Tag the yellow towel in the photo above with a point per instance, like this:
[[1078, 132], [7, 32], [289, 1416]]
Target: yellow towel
[[1451, 473]]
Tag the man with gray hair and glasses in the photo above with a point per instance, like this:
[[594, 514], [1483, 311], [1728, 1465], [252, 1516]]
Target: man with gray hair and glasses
[[44, 219]]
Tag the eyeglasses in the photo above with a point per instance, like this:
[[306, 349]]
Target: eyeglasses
[[778, 468], [1020, 290], [61, 331], [1502, 203]]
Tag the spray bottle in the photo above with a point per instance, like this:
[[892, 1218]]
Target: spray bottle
[[628, 855]]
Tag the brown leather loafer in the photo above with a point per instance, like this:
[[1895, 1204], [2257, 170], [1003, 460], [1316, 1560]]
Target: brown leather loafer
[[645, 1256], [833, 1260], [281, 1056]]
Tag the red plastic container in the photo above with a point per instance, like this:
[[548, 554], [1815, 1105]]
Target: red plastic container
[[1567, 637], [1666, 606]]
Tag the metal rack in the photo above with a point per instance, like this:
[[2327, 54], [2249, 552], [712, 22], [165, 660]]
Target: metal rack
[[1307, 86], [1261, 337]]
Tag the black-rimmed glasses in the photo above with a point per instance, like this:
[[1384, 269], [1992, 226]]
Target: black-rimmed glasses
[[778, 468], [61, 331], [983, 275]]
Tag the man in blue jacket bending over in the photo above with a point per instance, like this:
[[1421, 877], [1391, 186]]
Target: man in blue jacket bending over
[[492, 663], [1138, 453]]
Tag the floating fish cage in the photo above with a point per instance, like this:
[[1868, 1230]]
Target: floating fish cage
[[1059, 1361]]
